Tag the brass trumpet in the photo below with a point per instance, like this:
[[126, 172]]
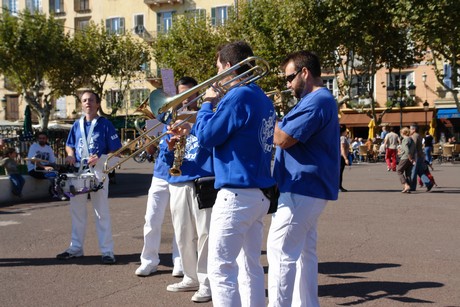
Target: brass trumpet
[[166, 109]]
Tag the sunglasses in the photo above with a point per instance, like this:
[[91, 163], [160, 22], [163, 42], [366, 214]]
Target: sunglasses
[[292, 76]]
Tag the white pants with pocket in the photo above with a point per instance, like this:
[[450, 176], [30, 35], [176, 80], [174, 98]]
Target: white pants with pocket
[[291, 251], [235, 243], [157, 201], [191, 229], [79, 214]]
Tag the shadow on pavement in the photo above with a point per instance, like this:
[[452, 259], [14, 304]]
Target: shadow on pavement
[[365, 291], [373, 290], [333, 269], [165, 260]]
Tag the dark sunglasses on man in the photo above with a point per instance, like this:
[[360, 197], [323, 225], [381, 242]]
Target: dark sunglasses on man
[[291, 77]]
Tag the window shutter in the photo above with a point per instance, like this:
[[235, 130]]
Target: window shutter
[[122, 26], [213, 16], [139, 20], [29, 5], [107, 25], [159, 17], [447, 75]]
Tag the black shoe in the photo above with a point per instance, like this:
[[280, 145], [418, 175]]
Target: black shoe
[[343, 190], [66, 255], [428, 188], [108, 259]]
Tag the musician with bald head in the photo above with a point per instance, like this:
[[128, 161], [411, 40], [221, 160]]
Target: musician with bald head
[[90, 137]]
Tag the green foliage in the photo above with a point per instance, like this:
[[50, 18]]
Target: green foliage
[[31, 46], [275, 28], [189, 48]]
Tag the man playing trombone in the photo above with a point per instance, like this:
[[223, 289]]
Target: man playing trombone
[[240, 132]]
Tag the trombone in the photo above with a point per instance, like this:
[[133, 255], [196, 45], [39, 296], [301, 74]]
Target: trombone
[[166, 109], [278, 92]]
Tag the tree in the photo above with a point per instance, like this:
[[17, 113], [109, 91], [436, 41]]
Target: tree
[[189, 48], [368, 35], [276, 28], [435, 27], [128, 56], [31, 47], [95, 55]]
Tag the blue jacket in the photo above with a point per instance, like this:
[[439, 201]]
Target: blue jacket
[[197, 160], [241, 134]]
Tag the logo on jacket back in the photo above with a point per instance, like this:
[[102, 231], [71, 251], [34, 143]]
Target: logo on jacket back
[[266, 132]]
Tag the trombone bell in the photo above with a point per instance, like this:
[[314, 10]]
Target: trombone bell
[[157, 100]]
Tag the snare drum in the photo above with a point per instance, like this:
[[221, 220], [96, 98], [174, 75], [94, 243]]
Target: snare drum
[[73, 183]]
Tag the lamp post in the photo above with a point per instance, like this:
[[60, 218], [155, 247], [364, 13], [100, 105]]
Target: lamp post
[[426, 107]]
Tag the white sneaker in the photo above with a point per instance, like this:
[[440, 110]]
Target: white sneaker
[[183, 286], [146, 270], [202, 296], [177, 271]]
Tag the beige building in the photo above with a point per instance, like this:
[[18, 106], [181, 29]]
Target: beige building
[[144, 18]]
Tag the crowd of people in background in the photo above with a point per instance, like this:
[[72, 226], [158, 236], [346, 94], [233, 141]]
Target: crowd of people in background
[[409, 154]]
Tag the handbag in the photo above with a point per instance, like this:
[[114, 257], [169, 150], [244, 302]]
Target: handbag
[[272, 193], [206, 194]]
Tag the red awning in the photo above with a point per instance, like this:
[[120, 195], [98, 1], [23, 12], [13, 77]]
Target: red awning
[[392, 119]]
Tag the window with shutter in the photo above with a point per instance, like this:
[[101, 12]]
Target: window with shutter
[[139, 24]]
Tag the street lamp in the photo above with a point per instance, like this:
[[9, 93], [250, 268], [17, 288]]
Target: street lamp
[[426, 107]]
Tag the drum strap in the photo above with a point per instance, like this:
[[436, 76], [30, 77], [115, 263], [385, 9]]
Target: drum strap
[[86, 139]]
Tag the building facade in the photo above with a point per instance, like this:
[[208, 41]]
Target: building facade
[[143, 18], [146, 18]]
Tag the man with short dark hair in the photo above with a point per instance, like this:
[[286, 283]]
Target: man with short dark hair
[[307, 166], [41, 157], [240, 132]]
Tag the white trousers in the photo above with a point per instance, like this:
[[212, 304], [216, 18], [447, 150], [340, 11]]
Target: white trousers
[[291, 251], [191, 229], [235, 242], [157, 201], [78, 215]]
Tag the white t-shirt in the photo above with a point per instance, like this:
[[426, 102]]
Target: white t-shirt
[[40, 152]]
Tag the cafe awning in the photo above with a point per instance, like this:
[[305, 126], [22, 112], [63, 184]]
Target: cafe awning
[[448, 113], [393, 119]]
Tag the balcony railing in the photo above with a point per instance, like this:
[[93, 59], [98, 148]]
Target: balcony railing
[[160, 2], [142, 32]]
